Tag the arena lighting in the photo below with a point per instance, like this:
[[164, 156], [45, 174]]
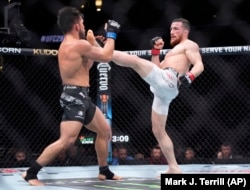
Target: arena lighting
[[82, 6], [98, 4]]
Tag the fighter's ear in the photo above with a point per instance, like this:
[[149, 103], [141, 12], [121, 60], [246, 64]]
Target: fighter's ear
[[77, 27], [186, 32]]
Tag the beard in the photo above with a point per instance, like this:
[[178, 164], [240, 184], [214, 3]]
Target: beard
[[81, 34], [174, 42]]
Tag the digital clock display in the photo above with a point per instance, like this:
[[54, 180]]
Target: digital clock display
[[115, 139], [120, 138]]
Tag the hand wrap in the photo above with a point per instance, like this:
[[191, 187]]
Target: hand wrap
[[152, 44], [113, 28], [187, 79]]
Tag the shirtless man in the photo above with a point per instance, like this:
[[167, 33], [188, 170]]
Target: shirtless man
[[181, 65], [75, 57]]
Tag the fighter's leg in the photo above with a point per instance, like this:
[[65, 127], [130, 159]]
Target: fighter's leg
[[141, 66], [100, 126], [165, 142], [69, 131]]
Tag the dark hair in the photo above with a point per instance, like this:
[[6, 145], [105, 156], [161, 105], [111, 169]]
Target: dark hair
[[67, 17], [190, 149], [185, 22], [157, 147], [226, 143]]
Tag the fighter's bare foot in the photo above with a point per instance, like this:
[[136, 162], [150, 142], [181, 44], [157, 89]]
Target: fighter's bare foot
[[174, 171], [90, 37], [171, 171], [103, 177], [33, 182]]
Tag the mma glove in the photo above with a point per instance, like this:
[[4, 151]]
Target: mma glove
[[154, 51], [187, 79], [113, 28]]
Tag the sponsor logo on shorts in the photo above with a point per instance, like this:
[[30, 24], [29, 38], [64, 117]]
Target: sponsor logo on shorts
[[80, 113]]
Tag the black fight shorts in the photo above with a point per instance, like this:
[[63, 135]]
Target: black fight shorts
[[76, 104]]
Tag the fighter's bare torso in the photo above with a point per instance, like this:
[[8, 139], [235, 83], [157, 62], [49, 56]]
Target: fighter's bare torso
[[177, 57], [74, 68]]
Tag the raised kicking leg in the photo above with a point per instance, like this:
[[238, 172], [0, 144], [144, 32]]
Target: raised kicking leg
[[141, 66]]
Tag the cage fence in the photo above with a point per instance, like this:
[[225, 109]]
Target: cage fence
[[213, 110]]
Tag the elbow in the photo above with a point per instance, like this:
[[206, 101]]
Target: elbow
[[202, 67], [106, 58]]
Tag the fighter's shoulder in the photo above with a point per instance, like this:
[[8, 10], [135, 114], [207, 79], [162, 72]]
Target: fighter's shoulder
[[191, 43], [82, 43], [77, 46], [74, 43], [80, 46]]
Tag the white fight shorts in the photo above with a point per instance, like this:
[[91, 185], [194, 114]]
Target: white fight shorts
[[164, 85]]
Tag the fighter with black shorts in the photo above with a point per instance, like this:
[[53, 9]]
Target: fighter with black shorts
[[76, 56], [76, 104]]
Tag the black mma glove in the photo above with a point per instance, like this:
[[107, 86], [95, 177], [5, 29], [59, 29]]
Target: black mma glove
[[152, 44], [113, 28], [187, 79]]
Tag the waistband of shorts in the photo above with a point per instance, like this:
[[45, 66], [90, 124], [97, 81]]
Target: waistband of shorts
[[69, 86], [171, 69]]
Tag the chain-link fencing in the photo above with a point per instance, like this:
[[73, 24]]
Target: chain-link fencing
[[214, 109]]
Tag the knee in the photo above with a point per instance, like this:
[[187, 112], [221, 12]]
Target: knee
[[108, 132], [104, 132], [65, 144]]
